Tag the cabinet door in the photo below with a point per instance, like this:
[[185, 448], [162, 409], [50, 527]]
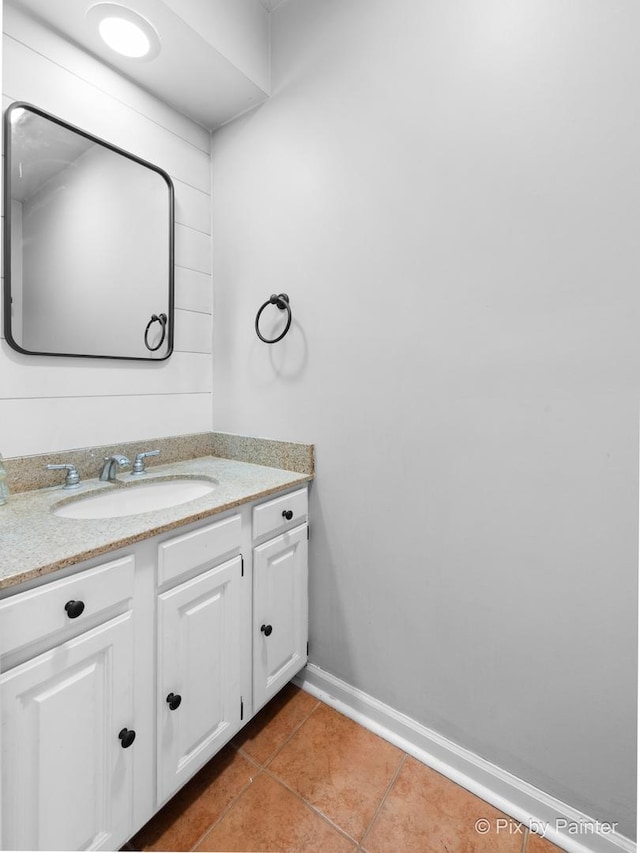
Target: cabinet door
[[280, 606], [66, 779], [199, 668]]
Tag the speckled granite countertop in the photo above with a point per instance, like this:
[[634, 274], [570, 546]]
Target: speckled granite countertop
[[34, 541]]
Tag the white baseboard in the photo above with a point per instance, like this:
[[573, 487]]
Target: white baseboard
[[563, 825]]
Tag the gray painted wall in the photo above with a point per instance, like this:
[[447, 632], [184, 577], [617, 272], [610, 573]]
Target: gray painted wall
[[449, 192]]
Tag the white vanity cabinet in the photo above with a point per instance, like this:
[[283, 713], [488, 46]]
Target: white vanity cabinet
[[119, 680], [280, 602], [199, 704], [67, 712], [200, 627]]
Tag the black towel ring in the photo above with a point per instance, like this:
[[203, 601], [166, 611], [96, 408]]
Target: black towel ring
[[281, 300], [156, 318]]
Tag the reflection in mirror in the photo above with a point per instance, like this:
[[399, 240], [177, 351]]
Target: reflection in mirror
[[88, 244]]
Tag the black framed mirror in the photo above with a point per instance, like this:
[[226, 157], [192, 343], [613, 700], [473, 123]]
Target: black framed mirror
[[89, 244]]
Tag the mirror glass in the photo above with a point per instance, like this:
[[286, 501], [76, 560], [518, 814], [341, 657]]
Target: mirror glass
[[88, 244]]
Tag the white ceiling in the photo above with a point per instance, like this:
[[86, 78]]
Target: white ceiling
[[189, 74]]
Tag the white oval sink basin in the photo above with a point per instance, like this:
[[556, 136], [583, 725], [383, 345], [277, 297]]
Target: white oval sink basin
[[131, 500]]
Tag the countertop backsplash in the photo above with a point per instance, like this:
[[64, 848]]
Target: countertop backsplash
[[26, 473]]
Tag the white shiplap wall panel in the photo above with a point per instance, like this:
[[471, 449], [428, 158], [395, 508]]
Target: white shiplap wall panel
[[28, 376], [49, 403], [61, 423], [193, 249], [193, 290], [193, 207], [192, 332]]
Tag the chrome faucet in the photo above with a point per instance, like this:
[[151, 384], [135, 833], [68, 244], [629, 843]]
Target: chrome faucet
[[111, 463]]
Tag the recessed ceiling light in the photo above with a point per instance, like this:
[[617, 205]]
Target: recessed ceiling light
[[125, 31]]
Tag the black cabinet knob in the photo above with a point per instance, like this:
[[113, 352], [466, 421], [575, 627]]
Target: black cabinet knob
[[127, 737], [288, 514], [74, 608], [266, 630], [173, 701]]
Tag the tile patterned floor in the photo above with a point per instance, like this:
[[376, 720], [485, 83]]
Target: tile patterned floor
[[302, 777]]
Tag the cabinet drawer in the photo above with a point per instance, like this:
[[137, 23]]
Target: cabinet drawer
[[192, 550], [279, 513], [32, 616]]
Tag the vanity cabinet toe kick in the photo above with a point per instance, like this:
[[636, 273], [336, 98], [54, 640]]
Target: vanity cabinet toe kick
[[122, 678]]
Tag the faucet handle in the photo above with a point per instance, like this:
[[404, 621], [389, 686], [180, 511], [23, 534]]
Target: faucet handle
[[72, 480], [138, 465]]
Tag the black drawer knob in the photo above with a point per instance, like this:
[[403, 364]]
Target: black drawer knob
[[266, 630], [74, 608], [127, 737], [288, 514], [173, 701]]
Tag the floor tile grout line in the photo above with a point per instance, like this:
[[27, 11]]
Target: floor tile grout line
[[259, 767], [235, 799], [248, 757], [314, 808], [525, 840], [383, 799], [291, 735], [310, 806], [272, 755]]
